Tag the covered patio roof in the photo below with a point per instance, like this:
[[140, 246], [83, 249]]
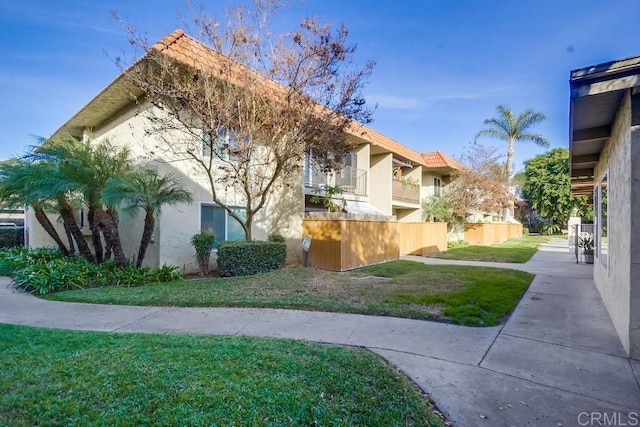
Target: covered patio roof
[[596, 94]]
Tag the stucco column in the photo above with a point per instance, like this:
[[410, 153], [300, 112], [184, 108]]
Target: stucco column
[[634, 232]]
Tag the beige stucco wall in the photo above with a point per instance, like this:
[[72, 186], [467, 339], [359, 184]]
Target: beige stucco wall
[[634, 231], [282, 212], [613, 282], [380, 178]]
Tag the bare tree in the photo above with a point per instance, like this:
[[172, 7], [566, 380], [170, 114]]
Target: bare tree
[[480, 186], [245, 103]]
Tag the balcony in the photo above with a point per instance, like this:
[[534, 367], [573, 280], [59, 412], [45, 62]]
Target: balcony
[[351, 180], [405, 191]]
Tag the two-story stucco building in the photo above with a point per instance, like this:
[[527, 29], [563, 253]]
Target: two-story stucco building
[[381, 176]]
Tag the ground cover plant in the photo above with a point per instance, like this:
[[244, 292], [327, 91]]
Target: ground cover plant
[[478, 296], [516, 250], [58, 377], [44, 270]]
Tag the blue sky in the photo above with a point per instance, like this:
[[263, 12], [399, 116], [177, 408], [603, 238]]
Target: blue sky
[[442, 65]]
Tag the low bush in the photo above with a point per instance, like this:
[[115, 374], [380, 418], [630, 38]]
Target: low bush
[[45, 270], [202, 242], [525, 231], [457, 244], [246, 258], [277, 238]]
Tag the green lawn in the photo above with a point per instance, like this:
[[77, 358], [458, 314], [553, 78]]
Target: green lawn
[[517, 250], [475, 296], [53, 377]]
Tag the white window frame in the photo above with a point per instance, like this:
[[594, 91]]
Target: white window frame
[[437, 189], [226, 220]]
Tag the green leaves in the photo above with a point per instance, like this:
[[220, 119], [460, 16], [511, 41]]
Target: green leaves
[[245, 258], [547, 186], [43, 270]]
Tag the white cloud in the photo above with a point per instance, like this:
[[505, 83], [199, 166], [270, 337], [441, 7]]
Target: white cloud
[[397, 102]]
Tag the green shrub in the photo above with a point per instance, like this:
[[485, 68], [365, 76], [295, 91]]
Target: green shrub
[[246, 258], [203, 242], [276, 238], [11, 237], [550, 229], [168, 273], [525, 231], [457, 244], [16, 258], [45, 270]]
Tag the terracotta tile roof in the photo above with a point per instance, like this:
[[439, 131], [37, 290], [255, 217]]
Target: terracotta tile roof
[[196, 54], [437, 159]]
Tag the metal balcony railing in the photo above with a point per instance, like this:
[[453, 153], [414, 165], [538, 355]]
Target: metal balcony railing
[[351, 180]]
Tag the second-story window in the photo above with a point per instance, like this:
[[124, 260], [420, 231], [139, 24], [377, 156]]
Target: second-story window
[[224, 143], [437, 184]]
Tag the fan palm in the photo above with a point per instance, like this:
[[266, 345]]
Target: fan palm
[[82, 169], [511, 128], [145, 189], [19, 182]]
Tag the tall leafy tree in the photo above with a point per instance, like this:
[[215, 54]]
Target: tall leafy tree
[[145, 189], [547, 186], [244, 102], [512, 128]]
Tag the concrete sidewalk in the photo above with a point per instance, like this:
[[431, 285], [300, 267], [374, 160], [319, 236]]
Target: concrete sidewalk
[[556, 358]]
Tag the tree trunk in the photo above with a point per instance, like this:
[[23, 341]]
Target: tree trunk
[[69, 221], [43, 220], [247, 226], [149, 223], [72, 244], [108, 220], [107, 252], [95, 235], [510, 150]]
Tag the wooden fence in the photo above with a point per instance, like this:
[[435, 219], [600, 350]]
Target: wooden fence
[[420, 238], [486, 233], [343, 242]]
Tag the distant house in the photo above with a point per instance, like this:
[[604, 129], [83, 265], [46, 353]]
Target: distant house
[[381, 176], [605, 166]]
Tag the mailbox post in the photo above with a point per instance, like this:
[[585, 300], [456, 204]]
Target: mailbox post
[[306, 244]]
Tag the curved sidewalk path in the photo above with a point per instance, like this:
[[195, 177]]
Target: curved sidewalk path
[[556, 357]]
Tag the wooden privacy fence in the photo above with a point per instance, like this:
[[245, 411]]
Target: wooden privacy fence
[[420, 238], [486, 233], [341, 242]]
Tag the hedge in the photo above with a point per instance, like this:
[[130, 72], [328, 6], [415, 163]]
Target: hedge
[[246, 258], [11, 236]]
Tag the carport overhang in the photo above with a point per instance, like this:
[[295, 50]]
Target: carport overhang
[[596, 95]]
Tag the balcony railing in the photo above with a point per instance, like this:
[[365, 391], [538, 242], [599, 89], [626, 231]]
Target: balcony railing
[[351, 180], [405, 191]]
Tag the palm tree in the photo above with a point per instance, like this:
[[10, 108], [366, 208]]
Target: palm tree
[[147, 190], [82, 170], [508, 127], [19, 181]]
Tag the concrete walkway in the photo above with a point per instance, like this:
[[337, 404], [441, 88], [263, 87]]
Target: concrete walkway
[[555, 361]]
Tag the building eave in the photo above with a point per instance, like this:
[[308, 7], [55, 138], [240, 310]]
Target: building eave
[[596, 94]]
